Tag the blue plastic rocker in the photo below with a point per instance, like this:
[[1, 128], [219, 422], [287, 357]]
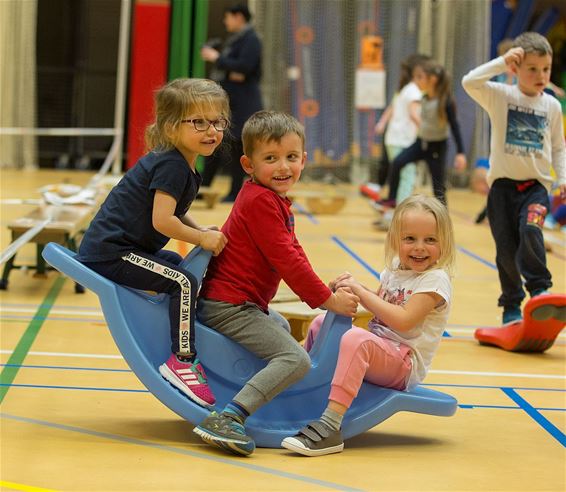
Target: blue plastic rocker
[[139, 325]]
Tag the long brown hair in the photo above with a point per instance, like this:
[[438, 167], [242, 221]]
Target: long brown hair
[[443, 87]]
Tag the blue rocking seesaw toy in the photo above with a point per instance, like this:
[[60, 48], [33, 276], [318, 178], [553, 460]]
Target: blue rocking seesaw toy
[[139, 323]]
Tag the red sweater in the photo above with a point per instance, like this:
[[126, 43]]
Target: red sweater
[[262, 249]]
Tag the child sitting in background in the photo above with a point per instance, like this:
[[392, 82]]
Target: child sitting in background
[[262, 249], [410, 313]]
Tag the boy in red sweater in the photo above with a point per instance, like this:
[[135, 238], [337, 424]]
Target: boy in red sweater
[[262, 250]]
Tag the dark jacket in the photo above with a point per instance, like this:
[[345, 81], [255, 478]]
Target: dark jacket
[[243, 55]]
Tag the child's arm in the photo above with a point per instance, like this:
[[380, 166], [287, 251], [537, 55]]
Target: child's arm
[[401, 317], [477, 82], [415, 112], [460, 161], [558, 150], [165, 222], [385, 117]]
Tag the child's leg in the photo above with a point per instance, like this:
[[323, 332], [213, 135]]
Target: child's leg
[[262, 335], [365, 356], [436, 161], [362, 356], [531, 253], [410, 154], [407, 176], [407, 179], [502, 210], [314, 328], [150, 272]]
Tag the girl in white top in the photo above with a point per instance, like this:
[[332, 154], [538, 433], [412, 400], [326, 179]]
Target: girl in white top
[[400, 122], [410, 311]]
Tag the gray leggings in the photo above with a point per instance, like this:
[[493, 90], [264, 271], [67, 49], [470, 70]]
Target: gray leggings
[[265, 336]]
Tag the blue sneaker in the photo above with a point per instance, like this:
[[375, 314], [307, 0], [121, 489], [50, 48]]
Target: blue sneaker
[[511, 314], [539, 292], [225, 432]]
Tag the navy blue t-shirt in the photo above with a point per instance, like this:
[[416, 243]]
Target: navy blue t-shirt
[[124, 221]]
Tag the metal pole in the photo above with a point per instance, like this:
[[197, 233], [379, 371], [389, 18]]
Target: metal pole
[[12, 249], [120, 101]]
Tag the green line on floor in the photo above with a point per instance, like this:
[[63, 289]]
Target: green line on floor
[[19, 354]]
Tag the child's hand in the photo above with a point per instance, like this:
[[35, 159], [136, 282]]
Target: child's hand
[[208, 228], [460, 162], [380, 128], [342, 276], [345, 302], [346, 280], [514, 57], [213, 241], [563, 193]]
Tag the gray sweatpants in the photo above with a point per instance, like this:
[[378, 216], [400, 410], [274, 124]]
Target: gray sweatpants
[[265, 336]]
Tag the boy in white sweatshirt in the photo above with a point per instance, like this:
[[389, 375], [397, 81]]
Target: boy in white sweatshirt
[[527, 138]]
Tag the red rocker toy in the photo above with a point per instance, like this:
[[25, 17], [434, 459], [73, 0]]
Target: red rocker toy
[[544, 317]]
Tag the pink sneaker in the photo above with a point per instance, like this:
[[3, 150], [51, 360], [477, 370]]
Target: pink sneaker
[[189, 377]]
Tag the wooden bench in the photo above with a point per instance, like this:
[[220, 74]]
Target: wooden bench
[[320, 202], [209, 196], [299, 315], [66, 223]]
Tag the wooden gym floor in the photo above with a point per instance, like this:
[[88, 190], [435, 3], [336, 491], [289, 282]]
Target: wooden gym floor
[[73, 416]]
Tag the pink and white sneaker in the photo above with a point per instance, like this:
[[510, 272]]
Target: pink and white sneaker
[[189, 377]]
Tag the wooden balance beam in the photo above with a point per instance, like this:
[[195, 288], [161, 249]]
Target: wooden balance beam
[[299, 315], [320, 202], [65, 223], [209, 196]]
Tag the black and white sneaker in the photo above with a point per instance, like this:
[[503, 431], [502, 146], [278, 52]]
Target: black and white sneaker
[[316, 439]]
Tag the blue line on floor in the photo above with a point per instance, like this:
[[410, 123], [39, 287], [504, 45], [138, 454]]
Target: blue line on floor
[[504, 407], [172, 449], [355, 256], [476, 257], [77, 388], [536, 416], [67, 368], [303, 211], [123, 390]]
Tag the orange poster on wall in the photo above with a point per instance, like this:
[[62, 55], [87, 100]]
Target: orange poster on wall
[[371, 52]]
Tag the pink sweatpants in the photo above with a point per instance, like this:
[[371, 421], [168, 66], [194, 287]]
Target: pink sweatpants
[[364, 356]]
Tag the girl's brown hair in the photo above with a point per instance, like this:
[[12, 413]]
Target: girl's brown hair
[[176, 100], [443, 85]]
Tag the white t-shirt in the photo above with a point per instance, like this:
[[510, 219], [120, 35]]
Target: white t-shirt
[[527, 135], [396, 288], [401, 129]]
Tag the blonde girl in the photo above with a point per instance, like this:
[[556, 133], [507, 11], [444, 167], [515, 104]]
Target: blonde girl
[[410, 312], [149, 206]]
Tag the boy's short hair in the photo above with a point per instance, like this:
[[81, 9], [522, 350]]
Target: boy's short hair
[[533, 42], [265, 126]]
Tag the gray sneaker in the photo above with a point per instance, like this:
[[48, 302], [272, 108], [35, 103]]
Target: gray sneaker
[[226, 433], [316, 439]]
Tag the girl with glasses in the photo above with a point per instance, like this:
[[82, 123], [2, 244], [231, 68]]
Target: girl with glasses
[[149, 206]]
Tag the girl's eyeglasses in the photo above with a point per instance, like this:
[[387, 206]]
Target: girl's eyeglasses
[[202, 125]]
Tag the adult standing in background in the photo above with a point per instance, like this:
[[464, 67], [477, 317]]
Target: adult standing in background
[[238, 70]]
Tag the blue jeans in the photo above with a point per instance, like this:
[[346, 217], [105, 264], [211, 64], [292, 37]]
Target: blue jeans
[[516, 211]]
